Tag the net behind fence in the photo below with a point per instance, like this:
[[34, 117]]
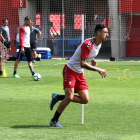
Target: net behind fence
[[60, 22]]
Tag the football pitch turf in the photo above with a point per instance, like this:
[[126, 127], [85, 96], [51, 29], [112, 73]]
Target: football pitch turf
[[113, 111]]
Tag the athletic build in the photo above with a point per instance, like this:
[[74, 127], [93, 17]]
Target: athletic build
[[73, 79], [5, 39], [24, 36], [5, 35]]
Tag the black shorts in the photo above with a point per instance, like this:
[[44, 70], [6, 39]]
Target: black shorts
[[7, 44], [33, 46], [28, 54], [0, 52]]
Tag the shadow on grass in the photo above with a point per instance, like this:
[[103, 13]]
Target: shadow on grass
[[8, 77], [29, 126], [33, 127]]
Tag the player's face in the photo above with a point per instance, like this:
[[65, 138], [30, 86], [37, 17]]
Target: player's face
[[27, 22], [31, 25], [5, 22], [104, 34]]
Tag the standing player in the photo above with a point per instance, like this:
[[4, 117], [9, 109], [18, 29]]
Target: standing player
[[1, 73], [2, 57], [24, 36], [34, 36], [73, 79], [5, 35], [16, 39]]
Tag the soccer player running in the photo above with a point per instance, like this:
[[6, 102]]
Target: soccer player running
[[73, 79], [34, 36], [24, 36]]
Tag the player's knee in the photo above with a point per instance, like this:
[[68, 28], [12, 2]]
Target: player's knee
[[65, 102], [17, 62], [68, 100], [8, 49], [29, 64], [85, 101], [69, 95], [0, 57]]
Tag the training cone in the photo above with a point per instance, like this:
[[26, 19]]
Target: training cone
[[4, 73]]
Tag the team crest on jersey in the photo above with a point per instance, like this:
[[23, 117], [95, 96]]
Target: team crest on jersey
[[69, 82]]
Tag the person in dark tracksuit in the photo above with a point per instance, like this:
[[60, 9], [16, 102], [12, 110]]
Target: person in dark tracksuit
[[34, 36], [16, 39]]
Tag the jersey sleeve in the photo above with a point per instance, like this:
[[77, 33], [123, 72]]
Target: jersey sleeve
[[21, 34], [86, 49], [1, 30], [37, 30]]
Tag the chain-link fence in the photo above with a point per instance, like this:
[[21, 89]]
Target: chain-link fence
[[60, 22], [66, 27]]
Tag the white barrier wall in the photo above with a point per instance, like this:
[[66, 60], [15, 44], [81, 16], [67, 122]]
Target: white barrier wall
[[30, 11]]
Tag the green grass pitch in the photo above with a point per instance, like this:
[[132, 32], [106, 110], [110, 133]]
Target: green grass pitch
[[113, 111]]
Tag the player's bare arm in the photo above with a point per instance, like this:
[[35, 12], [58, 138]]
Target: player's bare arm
[[2, 37], [22, 50], [93, 63], [85, 65], [39, 34]]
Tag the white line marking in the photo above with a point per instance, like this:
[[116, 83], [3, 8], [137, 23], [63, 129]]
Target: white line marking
[[41, 65], [34, 65], [59, 63]]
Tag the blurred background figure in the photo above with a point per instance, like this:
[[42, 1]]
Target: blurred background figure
[[34, 36], [5, 36], [16, 39]]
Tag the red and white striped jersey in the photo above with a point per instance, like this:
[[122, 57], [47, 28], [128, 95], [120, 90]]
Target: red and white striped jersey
[[88, 50], [24, 36]]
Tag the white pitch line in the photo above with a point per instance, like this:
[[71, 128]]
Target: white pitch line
[[34, 65], [59, 63], [40, 65]]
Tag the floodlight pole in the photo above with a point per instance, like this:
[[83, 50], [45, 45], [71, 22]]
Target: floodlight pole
[[82, 39]]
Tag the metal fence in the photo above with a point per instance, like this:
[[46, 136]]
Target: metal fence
[[67, 25], [60, 22]]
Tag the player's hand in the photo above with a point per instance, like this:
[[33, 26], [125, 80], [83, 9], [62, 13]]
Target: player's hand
[[102, 72], [93, 63], [36, 40], [4, 40], [22, 50]]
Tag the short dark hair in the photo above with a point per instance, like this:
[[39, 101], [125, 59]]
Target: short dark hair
[[27, 18], [4, 20], [99, 27]]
